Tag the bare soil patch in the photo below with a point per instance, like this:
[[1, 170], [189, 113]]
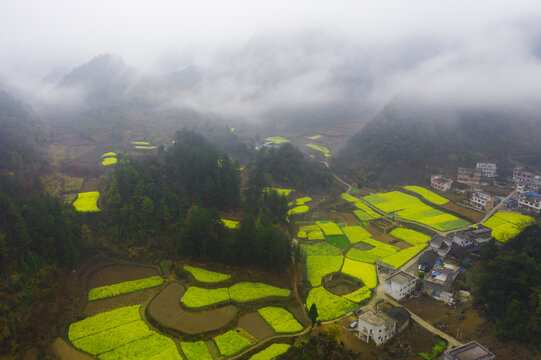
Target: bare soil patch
[[115, 274], [472, 326], [135, 298], [91, 185], [65, 351], [256, 325], [471, 214], [165, 308]]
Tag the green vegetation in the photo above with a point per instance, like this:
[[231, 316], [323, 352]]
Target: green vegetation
[[140, 143], [410, 208], [412, 237], [232, 342], [359, 295], [301, 234], [280, 320], [277, 139], [109, 161], [303, 200], [196, 297], [271, 352], [195, 350], [145, 147], [281, 192], [298, 210], [323, 346], [506, 225], [87, 201], [400, 258], [316, 235], [249, 291], [308, 228], [329, 306], [123, 288], [355, 234], [319, 266], [340, 241], [362, 271], [323, 149], [371, 256], [109, 154], [103, 321], [315, 137], [364, 212], [320, 248], [206, 275], [153, 347], [231, 224], [436, 350], [507, 286], [329, 228], [427, 194]]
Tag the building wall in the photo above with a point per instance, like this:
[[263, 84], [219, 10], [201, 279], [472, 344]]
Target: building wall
[[378, 334], [399, 291]]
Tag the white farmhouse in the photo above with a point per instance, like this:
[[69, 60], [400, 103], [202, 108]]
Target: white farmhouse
[[400, 284], [376, 327], [488, 169]]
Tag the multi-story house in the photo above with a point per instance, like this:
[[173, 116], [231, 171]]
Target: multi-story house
[[469, 176], [487, 169], [530, 201], [441, 183], [400, 284], [376, 327], [482, 201]]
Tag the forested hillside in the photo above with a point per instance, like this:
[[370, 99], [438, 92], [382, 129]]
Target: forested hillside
[[406, 142]]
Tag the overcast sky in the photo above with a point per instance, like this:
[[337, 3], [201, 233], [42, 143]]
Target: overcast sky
[[479, 46]]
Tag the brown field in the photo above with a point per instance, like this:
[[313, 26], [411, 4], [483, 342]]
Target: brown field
[[473, 215], [386, 238], [102, 305], [65, 351], [471, 324], [58, 153], [58, 184], [117, 273], [165, 308], [91, 185], [256, 325]]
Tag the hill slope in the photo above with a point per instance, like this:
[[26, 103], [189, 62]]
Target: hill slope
[[406, 142]]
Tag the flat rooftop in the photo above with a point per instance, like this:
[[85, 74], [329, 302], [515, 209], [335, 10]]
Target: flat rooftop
[[471, 351], [401, 277]]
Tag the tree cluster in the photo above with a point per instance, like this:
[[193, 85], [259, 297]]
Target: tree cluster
[[324, 346], [508, 286]]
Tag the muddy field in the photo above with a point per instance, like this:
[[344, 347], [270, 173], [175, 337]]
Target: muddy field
[[468, 324], [117, 273], [65, 351], [166, 309], [471, 214], [134, 298], [256, 325]]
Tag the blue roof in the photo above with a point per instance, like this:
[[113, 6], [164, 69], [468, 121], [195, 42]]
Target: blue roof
[[532, 193], [438, 262], [508, 201], [436, 273]]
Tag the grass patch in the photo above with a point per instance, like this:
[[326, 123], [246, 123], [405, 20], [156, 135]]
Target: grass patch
[[249, 291], [196, 297], [271, 352], [319, 266], [329, 306], [87, 201], [195, 350], [359, 295], [362, 271], [123, 288], [428, 195], [280, 320], [206, 275], [232, 342], [412, 237], [506, 225], [298, 210], [109, 161], [329, 228], [340, 241]]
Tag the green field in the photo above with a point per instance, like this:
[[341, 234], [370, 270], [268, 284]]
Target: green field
[[87, 201], [196, 297], [232, 342], [319, 266], [276, 139], [249, 291], [109, 154], [283, 192], [320, 248], [400, 258], [195, 350], [372, 255], [359, 295], [329, 306], [364, 211], [309, 228], [280, 320], [316, 235], [206, 275], [109, 161], [506, 225], [329, 228], [410, 208], [362, 271], [140, 143], [412, 237], [121, 334], [271, 352], [355, 234], [303, 200], [340, 241], [298, 210], [323, 149], [147, 147], [301, 234], [123, 288], [427, 195], [315, 137], [231, 224]]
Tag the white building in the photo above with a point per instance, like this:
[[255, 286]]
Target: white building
[[376, 327], [400, 284], [487, 169], [482, 201], [530, 201], [440, 183]]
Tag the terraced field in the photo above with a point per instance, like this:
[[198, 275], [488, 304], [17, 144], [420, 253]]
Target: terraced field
[[410, 208], [506, 225], [428, 195], [87, 201]]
